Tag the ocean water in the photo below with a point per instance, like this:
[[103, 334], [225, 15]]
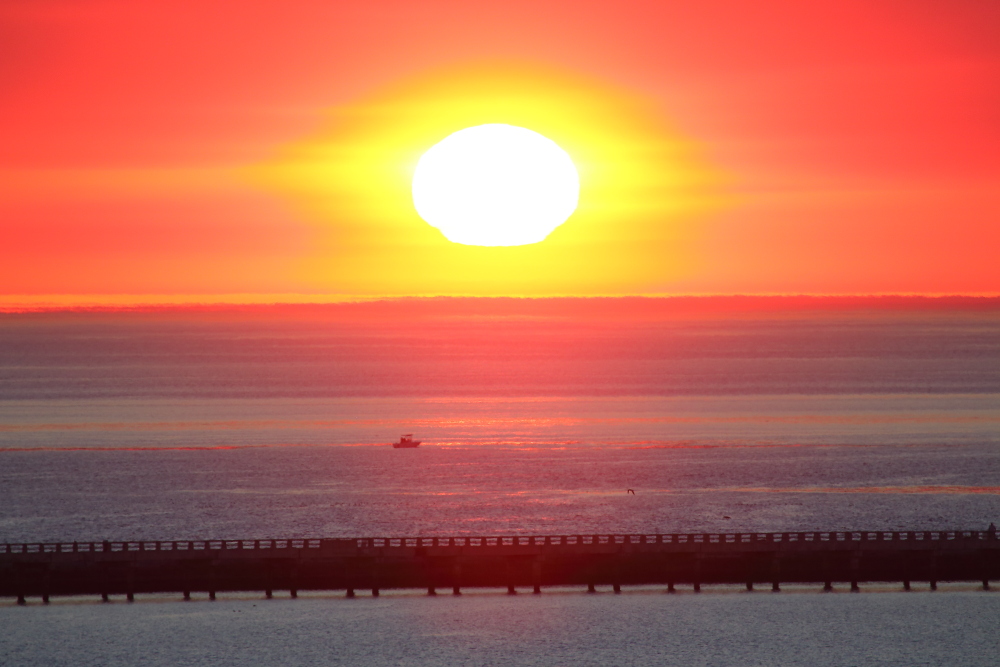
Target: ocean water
[[646, 627], [258, 424], [327, 491]]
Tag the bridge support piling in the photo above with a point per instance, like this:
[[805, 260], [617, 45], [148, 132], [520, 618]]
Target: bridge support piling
[[349, 577], [592, 572], [908, 568], [429, 571], [666, 573], [105, 576], [855, 569], [211, 579]]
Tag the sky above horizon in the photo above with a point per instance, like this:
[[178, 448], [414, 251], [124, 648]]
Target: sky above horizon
[[262, 151]]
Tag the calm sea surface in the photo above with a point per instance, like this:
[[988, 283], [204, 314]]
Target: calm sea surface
[[645, 627], [153, 426]]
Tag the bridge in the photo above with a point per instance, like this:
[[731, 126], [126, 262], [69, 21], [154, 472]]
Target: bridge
[[531, 562]]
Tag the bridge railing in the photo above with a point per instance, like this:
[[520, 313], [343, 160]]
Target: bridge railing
[[670, 538], [499, 541]]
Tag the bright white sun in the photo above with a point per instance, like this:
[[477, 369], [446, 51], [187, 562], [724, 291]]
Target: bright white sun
[[495, 185]]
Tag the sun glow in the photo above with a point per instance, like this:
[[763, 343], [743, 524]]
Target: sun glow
[[642, 187], [495, 185]]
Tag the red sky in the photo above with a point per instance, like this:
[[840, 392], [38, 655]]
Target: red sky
[[858, 143]]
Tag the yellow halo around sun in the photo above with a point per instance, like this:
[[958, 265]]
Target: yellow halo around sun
[[495, 185], [370, 181]]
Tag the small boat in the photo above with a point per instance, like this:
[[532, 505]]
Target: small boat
[[406, 442]]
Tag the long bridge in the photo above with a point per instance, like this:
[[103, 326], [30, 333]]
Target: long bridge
[[529, 562]]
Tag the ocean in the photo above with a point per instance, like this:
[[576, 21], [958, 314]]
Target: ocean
[[536, 418]]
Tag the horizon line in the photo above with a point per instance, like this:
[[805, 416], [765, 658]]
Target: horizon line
[[22, 303]]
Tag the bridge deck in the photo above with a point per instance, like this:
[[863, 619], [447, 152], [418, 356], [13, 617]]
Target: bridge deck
[[108, 568]]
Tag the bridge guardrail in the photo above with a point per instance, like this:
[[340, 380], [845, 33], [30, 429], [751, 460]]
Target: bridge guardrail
[[500, 540]]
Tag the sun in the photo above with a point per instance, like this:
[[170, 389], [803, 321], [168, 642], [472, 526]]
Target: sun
[[459, 181], [495, 185]]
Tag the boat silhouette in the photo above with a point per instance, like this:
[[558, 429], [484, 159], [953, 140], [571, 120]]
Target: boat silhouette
[[406, 441]]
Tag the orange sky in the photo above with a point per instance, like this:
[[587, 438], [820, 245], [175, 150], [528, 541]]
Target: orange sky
[[152, 150]]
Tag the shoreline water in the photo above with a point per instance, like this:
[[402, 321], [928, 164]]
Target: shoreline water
[[636, 628]]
